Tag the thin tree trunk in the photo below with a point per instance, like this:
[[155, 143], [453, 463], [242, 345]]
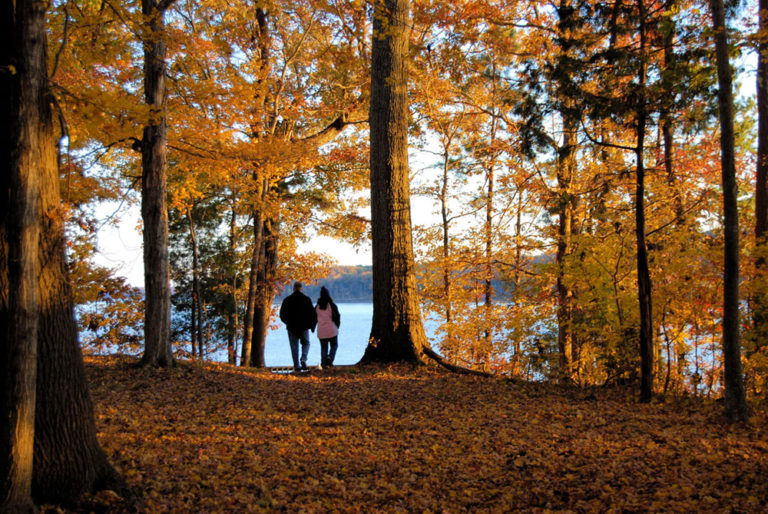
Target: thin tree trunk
[[735, 395], [667, 132], [667, 123], [253, 279], [516, 363], [564, 237], [565, 173], [488, 236], [760, 297], [643, 272], [154, 211], [197, 315], [447, 282], [234, 321], [397, 332], [27, 145]]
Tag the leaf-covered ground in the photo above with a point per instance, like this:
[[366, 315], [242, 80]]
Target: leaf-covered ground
[[215, 438]]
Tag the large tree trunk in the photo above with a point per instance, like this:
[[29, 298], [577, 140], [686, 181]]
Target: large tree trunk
[[27, 146], [68, 460], [154, 211], [760, 298], [397, 333], [266, 288], [643, 272], [735, 394]]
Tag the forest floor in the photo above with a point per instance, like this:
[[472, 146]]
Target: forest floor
[[215, 438]]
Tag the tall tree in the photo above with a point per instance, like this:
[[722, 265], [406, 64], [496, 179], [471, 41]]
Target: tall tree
[[154, 211], [760, 306], [566, 167], [397, 332], [735, 395], [68, 460], [643, 272], [27, 145]]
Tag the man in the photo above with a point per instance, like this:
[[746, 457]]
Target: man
[[299, 316]]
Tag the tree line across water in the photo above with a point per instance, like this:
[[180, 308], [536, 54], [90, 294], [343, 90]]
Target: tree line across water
[[603, 134]]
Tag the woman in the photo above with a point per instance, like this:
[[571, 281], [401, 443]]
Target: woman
[[328, 322]]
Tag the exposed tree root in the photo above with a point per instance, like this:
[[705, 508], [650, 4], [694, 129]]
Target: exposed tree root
[[429, 352]]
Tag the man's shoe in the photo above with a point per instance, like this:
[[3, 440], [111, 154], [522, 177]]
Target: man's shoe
[[304, 366]]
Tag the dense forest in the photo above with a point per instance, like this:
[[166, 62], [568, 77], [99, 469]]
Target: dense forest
[[526, 139], [596, 175]]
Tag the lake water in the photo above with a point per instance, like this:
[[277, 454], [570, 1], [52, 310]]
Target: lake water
[[354, 332], [353, 338]]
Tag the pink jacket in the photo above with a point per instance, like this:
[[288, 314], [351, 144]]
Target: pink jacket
[[326, 328]]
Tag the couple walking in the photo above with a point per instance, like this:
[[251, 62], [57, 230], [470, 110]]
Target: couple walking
[[300, 317]]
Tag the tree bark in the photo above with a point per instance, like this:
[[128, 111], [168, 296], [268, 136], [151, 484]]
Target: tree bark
[[397, 333], [643, 272], [27, 145], [735, 394], [68, 460], [154, 210], [266, 288], [250, 302]]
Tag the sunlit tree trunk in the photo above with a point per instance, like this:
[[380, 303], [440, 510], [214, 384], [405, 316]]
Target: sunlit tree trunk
[[27, 146], [735, 394], [397, 333], [154, 211], [68, 460]]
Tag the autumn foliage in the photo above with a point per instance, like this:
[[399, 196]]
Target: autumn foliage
[[216, 438]]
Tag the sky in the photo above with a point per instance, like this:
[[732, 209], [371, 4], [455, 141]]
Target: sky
[[119, 248]]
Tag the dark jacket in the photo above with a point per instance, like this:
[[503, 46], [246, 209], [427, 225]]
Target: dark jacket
[[335, 314], [298, 313]]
